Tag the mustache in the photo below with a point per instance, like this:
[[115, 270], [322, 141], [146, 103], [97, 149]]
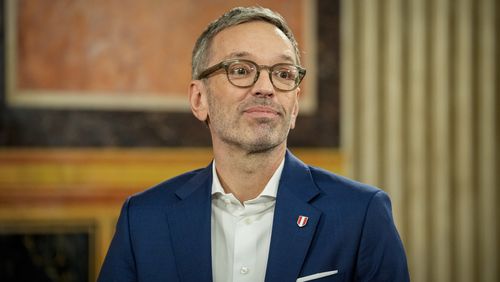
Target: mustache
[[261, 102]]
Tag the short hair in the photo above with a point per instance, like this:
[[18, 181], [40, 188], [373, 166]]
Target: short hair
[[233, 17]]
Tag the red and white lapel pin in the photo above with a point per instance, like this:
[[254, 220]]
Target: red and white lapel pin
[[302, 220]]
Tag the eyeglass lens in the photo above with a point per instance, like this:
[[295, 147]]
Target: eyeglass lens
[[244, 74]]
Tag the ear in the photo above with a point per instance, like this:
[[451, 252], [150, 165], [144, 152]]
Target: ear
[[295, 110], [198, 99]]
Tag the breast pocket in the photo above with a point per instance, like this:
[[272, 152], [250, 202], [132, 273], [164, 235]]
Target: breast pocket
[[332, 275]]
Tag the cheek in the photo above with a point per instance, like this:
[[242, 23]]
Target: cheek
[[294, 111], [225, 99], [219, 105], [292, 106]]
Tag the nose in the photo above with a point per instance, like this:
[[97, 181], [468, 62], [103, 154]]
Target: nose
[[263, 87]]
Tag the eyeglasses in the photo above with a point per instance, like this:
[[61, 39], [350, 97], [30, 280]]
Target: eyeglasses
[[244, 73]]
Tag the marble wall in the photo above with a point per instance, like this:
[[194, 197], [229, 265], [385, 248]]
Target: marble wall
[[26, 126], [74, 167]]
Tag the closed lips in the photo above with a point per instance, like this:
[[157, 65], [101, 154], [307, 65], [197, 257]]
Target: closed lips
[[260, 109]]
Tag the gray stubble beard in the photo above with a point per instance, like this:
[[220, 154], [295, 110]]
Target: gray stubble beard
[[261, 145]]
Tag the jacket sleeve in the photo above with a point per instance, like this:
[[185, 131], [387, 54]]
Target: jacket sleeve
[[381, 254], [119, 264]]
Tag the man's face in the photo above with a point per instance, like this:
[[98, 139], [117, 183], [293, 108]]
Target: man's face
[[257, 118]]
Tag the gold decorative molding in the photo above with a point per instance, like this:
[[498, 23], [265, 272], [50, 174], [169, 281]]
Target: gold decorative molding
[[71, 185], [93, 176]]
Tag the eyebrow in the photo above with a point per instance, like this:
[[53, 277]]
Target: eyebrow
[[243, 54]]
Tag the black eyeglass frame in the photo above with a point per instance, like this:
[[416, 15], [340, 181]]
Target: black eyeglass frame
[[225, 65]]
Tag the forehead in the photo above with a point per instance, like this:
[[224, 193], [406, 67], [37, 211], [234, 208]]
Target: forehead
[[259, 41]]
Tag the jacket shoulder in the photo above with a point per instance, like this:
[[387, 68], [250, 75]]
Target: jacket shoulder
[[333, 184], [164, 192]]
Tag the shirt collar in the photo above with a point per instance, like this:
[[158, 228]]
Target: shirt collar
[[270, 190]]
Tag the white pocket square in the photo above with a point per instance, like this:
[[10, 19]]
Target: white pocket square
[[317, 276]]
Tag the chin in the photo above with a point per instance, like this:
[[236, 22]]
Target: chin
[[262, 145], [259, 149]]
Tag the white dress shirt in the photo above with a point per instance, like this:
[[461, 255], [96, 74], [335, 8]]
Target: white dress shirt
[[241, 233]]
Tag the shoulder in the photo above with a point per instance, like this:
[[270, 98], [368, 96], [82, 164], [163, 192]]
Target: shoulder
[[344, 190], [333, 188], [350, 203], [327, 181], [164, 193]]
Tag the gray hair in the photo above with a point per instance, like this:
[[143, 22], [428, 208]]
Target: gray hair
[[236, 16]]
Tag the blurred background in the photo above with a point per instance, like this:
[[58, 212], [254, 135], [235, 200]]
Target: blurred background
[[93, 108]]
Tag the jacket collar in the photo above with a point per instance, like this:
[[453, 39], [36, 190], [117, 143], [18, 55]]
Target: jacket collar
[[297, 189], [190, 224]]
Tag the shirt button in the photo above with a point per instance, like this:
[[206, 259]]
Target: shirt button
[[244, 270], [248, 220]]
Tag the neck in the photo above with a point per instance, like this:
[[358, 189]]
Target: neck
[[244, 174]]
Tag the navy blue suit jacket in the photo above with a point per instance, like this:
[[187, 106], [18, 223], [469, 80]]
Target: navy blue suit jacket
[[163, 234]]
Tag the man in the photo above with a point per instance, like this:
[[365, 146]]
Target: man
[[256, 213]]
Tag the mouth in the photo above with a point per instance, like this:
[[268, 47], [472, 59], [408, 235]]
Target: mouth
[[261, 112]]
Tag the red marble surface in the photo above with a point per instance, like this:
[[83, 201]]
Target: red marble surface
[[119, 46]]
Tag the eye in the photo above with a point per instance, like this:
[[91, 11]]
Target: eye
[[286, 73], [240, 70]]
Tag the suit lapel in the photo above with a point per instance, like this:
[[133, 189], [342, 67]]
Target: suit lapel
[[190, 224], [289, 242]]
